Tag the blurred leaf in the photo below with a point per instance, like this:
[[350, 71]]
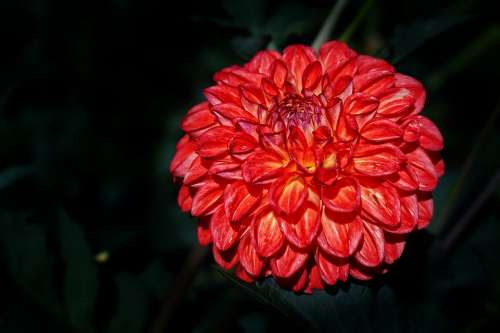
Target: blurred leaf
[[29, 262], [352, 307], [11, 175], [80, 276], [156, 279], [407, 38], [132, 306]]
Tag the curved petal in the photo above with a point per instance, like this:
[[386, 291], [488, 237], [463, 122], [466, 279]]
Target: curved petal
[[287, 262], [183, 158], [301, 228], [341, 234], [312, 75], [206, 199], [334, 54], [330, 267], [377, 160], [261, 166], [198, 117], [262, 61], [380, 130], [214, 141], [267, 236], [249, 258], [239, 199], [287, 193], [409, 214], [297, 58], [223, 233], [420, 163], [226, 259], [371, 253], [393, 247], [425, 209], [184, 199], [415, 87], [203, 231], [343, 196], [380, 203]]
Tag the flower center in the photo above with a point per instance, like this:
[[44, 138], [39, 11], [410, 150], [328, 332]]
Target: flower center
[[300, 111]]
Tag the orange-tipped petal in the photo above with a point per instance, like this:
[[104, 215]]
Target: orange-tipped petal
[[343, 196], [224, 234], [288, 261], [249, 258], [341, 234], [371, 253], [239, 199], [287, 193], [267, 236]]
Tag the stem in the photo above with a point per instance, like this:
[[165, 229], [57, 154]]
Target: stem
[[183, 281], [466, 219], [471, 158], [329, 24], [357, 20]]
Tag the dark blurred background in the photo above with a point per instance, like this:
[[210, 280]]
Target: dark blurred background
[[91, 96]]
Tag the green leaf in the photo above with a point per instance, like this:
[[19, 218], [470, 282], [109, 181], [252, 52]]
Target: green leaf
[[133, 303], [30, 266], [80, 276], [9, 176]]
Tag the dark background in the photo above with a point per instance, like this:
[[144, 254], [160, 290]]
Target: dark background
[[91, 95]]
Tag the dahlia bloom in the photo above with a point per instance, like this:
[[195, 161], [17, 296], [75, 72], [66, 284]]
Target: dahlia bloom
[[308, 167]]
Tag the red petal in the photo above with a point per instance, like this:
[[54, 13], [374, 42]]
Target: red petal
[[183, 158], [269, 88], [184, 199], [359, 104], [267, 236], [380, 203], [206, 199], [393, 247], [301, 228], [222, 93], [362, 273], [420, 163], [430, 137], [368, 64], [312, 75], [335, 53], [297, 58], [330, 267], [203, 231], [214, 141], [343, 196], [396, 102], [261, 166], [198, 117], [239, 199], [287, 193], [280, 73], [416, 89], [380, 130], [242, 143], [341, 234], [223, 233], [243, 275], [249, 259], [288, 262], [297, 282], [371, 253], [195, 172], [262, 61], [377, 160], [232, 112], [409, 214], [425, 209], [226, 259], [373, 83], [405, 180], [314, 281]]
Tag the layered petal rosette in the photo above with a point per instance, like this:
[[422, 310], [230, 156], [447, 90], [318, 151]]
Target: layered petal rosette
[[308, 167]]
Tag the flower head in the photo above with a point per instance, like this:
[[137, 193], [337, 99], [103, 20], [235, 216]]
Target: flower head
[[309, 167]]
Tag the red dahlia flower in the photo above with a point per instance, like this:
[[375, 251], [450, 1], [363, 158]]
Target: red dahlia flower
[[309, 167]]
